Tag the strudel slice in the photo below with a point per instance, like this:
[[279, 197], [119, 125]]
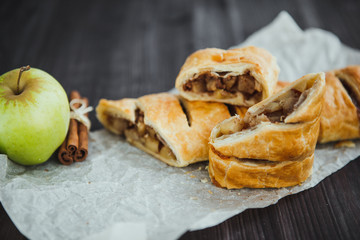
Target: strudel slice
[[242, 76], [170, 128]]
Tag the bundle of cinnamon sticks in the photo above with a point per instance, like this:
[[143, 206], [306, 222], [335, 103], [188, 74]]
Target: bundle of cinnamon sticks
[[75, 145]]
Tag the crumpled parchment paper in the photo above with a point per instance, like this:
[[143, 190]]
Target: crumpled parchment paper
[[119, 192]]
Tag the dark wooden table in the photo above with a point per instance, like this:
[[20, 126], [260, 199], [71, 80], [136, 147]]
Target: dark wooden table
[[117, 49]]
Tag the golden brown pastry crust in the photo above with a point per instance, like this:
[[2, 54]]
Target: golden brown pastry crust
[[267, 153], [284, 142], [164, 114], [235, 173], [339, 119], [260, 63]]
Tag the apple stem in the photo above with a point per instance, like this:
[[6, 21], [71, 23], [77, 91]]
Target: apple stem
[[22, 69]]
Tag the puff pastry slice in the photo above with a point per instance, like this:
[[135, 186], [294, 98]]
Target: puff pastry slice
[[242, 76], [166, 126], [274, 143]]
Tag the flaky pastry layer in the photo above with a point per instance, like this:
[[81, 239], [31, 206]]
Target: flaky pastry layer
[[235, 173], [275, 142]]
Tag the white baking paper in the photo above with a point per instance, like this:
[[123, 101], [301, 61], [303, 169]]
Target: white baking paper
[[119, 192]]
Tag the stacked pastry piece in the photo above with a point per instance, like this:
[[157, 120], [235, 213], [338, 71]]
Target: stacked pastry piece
[[176, 129], [273, 145]]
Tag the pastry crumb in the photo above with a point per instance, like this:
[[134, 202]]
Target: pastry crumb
[[193, 198], [46, 170], [347, 144], [207, 167], [89, 182], [204, 180], [238, 194], [210, 192], [200, 168], [192, 176]]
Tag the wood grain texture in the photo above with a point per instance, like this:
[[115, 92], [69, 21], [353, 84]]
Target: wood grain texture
[[118, 49]]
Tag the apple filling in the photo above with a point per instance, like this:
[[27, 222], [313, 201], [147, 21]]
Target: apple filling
[[223, 85], [277, 111], [274, 112], [355, 98], [140, 133]]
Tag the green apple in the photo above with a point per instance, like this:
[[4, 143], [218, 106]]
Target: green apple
[[34, 115]]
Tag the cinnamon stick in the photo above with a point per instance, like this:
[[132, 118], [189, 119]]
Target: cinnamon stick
[[73, 138], [75, 146], [63, 155], [82, 151]]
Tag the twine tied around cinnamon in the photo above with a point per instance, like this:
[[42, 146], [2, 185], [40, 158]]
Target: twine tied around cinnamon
[[75, 146], [79, 113]]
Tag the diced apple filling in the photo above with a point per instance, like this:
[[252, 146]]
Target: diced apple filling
[[283, 107], [274, 112], [141, 133], [118, 124], [223, 85]]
